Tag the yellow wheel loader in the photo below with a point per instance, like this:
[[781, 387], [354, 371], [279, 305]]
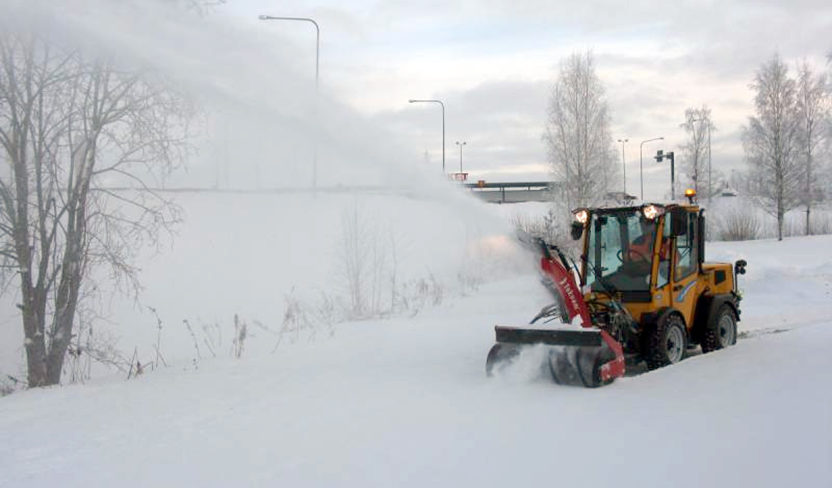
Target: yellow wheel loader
[[642, 292]]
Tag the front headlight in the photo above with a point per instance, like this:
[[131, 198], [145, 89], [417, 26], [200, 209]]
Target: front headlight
[[582, 216], [651, 212]]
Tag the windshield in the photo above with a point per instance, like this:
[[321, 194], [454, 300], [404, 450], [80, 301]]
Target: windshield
[[620, 251]]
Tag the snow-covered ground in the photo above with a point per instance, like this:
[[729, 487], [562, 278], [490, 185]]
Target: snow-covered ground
[[404, 401]]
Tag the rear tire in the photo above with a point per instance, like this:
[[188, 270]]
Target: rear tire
[[721, 330], [666, 342]]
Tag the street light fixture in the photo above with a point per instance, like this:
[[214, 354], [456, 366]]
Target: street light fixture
[[624, 164], [460, 144], [641, 162], [443, 125], [317, 59]]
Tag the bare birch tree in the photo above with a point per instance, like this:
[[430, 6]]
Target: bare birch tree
[[771, 142], [695, 150], [813, 112], [70, 128], [580, 147]]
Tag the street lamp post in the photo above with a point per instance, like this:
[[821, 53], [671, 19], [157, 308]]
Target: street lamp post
[[624, 164], [460, 144], [443, 125], [317, 63], [641, 162], [317, 37]]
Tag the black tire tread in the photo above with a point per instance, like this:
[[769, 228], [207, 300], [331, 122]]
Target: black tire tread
[[710, 336], [655, 354]]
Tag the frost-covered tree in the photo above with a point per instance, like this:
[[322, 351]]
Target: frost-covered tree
[[580, 147], [813, 113], [771, 142], [71, 128], [695, 150]]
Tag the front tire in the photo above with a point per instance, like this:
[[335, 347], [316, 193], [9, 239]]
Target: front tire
[[666, 342], [721, 330]]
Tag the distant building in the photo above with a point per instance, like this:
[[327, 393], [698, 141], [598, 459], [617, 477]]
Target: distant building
[[620, 197]]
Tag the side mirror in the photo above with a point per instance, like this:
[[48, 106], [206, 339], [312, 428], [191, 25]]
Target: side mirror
[[577, 230], [678, 222], [739, 267]]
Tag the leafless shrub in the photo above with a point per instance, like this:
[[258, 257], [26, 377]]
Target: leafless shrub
[[795, 223], [738, 224], [160, 359], [822, 224], [792, 228], [324, 314], [367, 265], [193, 340], [550, 227], [357, 239], [240, 334], [302, 318], [89, 347], [553, 227], [212, 336], [417, 294], [10, 384], [469, 278], [136, 366]]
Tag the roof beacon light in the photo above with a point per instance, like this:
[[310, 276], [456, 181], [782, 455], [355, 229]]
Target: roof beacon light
[[691, 194], [582, 216]]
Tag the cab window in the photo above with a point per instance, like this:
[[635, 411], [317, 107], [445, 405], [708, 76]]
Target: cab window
[[664, 256], [686, 249]]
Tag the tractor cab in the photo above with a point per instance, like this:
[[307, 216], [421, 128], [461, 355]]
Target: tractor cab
[[646, 257]]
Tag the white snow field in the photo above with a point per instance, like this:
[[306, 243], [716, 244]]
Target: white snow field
[[404, 401]]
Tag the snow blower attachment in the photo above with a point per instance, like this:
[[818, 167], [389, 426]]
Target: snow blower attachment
[[581, 356], [646, 294]]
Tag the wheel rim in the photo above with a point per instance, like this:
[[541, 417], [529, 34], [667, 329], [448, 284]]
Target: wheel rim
[[675, 344], [726, 330]]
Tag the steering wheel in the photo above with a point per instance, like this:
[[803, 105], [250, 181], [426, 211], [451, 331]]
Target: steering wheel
[[631, 251]]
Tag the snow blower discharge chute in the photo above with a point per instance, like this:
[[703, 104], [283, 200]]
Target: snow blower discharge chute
[[645, 294]]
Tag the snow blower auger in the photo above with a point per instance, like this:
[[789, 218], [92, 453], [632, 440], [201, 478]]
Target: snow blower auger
[[645, 294]]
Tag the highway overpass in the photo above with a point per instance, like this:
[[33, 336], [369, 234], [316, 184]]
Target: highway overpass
[[514, 192]]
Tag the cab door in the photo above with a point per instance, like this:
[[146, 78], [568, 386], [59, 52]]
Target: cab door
[[662, 257], [685, 265]]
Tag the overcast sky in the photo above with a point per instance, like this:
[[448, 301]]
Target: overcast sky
[[493, 63]]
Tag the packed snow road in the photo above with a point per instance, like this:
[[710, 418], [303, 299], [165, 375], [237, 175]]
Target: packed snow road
[[405, 402]]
